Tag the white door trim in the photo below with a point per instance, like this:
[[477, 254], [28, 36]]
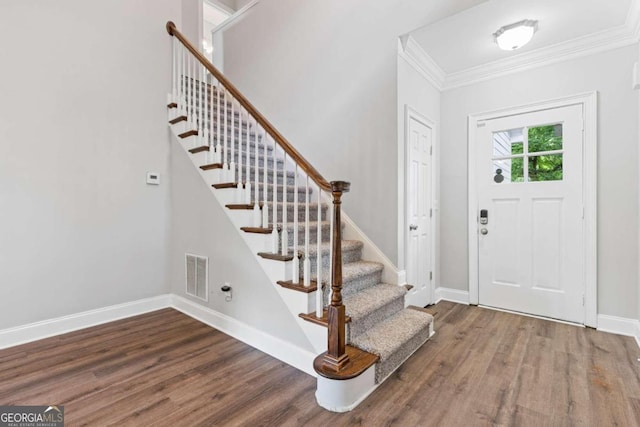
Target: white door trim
[[589, 101], [412, 113]]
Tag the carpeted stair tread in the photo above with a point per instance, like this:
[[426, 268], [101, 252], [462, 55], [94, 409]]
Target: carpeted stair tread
[[369, 300], [355, 270], [347, 245], [395, 339], [388, 336]]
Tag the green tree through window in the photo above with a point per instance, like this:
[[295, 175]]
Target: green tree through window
[[546, 167]]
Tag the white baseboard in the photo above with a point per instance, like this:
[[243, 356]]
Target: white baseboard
[[62, 325], [295, 356], [620, 326], [453, 295]]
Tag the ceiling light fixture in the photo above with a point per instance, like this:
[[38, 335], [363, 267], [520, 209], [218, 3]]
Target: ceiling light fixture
[[514, 36]]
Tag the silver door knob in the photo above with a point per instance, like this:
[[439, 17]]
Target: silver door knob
[[484, 231], [413, 227]]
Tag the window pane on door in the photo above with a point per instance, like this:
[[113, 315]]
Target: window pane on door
[[507, 142], [508, 170], [545, 138], [545, 168]]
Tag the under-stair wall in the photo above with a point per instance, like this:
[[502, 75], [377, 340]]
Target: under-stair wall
[[199, 225]]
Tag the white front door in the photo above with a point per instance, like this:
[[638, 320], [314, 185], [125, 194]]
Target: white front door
[[419, 272], [529, 176]]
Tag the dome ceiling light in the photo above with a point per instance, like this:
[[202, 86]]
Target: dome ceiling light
[[514, 36]]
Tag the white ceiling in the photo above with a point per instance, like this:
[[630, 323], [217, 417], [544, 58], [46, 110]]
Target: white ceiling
[[465, 40]]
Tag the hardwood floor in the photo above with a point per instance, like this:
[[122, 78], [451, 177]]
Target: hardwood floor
[[482, 367]]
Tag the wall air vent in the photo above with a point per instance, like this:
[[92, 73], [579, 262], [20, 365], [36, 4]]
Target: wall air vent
[[197, 276]]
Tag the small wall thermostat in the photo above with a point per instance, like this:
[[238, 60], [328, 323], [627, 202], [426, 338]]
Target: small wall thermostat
[[153, 178]]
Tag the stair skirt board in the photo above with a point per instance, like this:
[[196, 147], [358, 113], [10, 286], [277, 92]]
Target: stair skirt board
[[380, 323]]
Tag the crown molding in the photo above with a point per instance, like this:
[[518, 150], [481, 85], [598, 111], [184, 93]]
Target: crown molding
[[613, 38], [234, 17], [411, 51], [633, 18]]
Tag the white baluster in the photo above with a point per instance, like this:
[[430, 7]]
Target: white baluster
[[187, 92], [265, 208], [205, 115], [285, 233], [296, 258], [174, 71], [192, 110], [218, 158], [183, 87], [239, 189], [225, 135], [212, 148], [256, 189], [231, 177], [247, 175], [202, 94], [274, 231], [306, 265], [319, 302]]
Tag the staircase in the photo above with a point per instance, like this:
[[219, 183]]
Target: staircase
[[290, 216]]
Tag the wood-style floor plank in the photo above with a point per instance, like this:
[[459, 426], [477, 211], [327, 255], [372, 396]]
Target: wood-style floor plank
[[482, 367]]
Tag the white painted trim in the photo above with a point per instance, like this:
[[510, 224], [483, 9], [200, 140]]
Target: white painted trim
[[590, 200], [412, 113], [402, 277], [453, 295], [620, 326], [297, 357], [633, 18], [73, 322], [589, 102], [419, 59], [472, 206], [234, 17], [219, 5]]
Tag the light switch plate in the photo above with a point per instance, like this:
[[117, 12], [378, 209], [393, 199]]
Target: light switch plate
[[153, 178]]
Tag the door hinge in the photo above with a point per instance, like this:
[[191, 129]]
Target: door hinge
[[431, 150], [430, 212], [431, 275], [583, 212], [583, 300]]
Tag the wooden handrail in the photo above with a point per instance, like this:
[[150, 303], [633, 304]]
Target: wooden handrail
[[268, 127]]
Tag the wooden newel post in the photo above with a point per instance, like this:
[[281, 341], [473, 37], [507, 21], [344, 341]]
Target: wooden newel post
[[336, 357]]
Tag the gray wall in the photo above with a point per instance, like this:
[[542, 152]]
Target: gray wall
[[200, 226], [324, 73], [82, 119], [610, 74]]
